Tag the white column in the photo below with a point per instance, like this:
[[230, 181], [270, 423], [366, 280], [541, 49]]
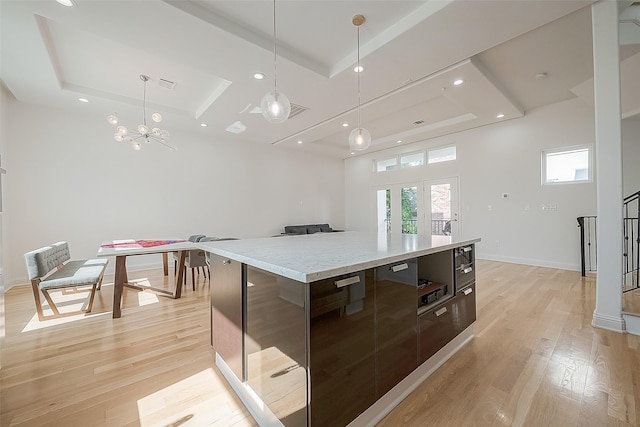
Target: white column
[[606, 68]]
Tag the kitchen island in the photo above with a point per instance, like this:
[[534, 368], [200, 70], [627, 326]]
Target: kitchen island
[[335, 329]]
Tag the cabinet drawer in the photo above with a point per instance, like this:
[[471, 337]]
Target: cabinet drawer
[[464, 308], [437, 328]]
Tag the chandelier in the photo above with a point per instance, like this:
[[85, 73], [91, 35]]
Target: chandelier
[[143, 133], [359, 138]]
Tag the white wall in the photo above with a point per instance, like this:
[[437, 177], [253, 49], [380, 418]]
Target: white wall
[[69, 180], [631, 157], [496, 159]]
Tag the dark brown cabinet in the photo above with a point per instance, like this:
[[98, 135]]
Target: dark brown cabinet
[[227, 299], [396, 329], [342, 348]]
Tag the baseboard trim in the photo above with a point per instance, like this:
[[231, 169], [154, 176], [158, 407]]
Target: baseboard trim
[[632, 323], [610, 323], [529, 261]]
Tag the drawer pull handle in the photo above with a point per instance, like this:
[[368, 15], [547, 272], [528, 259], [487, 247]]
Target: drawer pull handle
[[440, 311], [468, 270], [466, 249], [399, 267], [468, 291], [348, 281], [226, 262]]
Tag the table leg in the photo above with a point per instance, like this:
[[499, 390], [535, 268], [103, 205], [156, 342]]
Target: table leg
[[118, 286], [182, 255], [165, 263]]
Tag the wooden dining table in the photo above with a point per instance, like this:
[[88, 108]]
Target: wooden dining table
[[121, 249]]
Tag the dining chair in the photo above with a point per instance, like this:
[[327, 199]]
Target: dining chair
[[193, 238], [207, 255]]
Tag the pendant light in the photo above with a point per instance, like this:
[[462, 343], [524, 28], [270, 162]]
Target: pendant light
[[359, 138], [275, 105]]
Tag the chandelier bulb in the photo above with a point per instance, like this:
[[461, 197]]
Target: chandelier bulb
[[137, 146], [118, 137], [112, 119], [156, 117], [122, 130], [143, 129]]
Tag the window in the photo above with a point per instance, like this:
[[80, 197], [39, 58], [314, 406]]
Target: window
[[410, 160], [566, 165], [386, 165], [443, 154]]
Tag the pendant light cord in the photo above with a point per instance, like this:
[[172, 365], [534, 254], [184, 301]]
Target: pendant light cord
[[144, 103], [275, 51], [358, 73]]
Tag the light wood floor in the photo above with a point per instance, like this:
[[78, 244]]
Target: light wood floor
[[535, 361]]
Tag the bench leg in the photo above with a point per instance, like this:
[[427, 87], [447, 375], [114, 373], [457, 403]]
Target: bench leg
[[56, 313], [93, 294], [35, 285]]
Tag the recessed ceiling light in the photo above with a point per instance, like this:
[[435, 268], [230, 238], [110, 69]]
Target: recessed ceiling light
[[204, 125], [499, 116], [358, 68], [345, 125], [299, 142], [258, 76], [83, 100], [458, 82], [67, 3], [399, 141]]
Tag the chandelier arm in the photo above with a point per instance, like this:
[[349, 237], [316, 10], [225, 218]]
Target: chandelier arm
[[161, 141]]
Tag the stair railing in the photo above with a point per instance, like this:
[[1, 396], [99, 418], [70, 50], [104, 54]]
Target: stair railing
[[588, 243], [631, 243]]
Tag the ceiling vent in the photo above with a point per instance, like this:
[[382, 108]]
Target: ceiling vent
[[418, 122], [167, 84], [296, 110]]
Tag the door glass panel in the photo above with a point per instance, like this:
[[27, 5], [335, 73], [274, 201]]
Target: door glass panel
[[384, 210], [441, 209], [410, 210]]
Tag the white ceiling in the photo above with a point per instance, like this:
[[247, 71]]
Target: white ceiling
[[411, 50]]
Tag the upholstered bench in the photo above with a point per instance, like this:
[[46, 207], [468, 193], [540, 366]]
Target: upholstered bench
[[51, 268]]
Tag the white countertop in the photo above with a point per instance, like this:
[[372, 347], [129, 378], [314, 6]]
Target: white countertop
[[311, 257]]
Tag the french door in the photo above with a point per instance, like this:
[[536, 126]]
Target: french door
[[399, 209], [428, 207], [442, 207]]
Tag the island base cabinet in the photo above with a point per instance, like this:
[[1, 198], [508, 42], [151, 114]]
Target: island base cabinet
[[227, 324], [342, 349], [396, 332], [275, 345], [441, 324]]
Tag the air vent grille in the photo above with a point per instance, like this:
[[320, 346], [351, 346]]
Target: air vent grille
[[418, 122], [296, 110], [168, 84]]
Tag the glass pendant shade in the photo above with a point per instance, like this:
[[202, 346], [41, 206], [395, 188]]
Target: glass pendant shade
[[112, 119], [359, 139], [156, 117], [275, 106]]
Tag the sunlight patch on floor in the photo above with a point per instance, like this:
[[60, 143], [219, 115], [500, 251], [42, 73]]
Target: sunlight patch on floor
[[34, 323], [193, 401]]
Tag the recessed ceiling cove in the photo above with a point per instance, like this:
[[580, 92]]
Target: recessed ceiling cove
[[87, 63]]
